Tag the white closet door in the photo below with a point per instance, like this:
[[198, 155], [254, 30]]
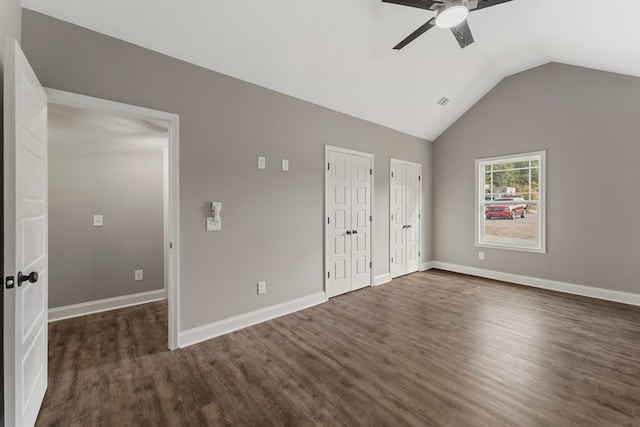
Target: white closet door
[[413, 218], [360, 223], [404, 217], [338, 242], [397, 198]]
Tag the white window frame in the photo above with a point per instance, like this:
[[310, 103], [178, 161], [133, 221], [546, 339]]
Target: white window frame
[[541, 156]]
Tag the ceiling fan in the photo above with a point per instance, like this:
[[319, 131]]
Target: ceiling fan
[[450, 14]]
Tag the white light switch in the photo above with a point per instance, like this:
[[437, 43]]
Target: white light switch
[[262, 163], [285, 165], [138, 275], [481, 256], [98, 221]]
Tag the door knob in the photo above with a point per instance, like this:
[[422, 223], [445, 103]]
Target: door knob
[[348, 231], [355, 232], [32, 278]]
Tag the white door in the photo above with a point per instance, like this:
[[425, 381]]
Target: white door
[[348, 221], [404, 217], [25, 240], [398, 215]]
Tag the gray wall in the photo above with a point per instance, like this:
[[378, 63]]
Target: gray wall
[[272, 220], [588, 122], [100, 164]]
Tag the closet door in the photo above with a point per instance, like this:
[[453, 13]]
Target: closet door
[[338, 235], [348, 221], [404, 217], [397, 198], [360, 222]]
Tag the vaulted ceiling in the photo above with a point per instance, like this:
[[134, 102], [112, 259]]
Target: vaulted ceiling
[[338, 53]]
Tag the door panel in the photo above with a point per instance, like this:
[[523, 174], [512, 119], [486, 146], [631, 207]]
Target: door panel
[[25, 239], [398, 218], [339, 204], [361, 226], [412, 220]]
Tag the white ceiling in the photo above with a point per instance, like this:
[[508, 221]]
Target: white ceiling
[[338, 53]]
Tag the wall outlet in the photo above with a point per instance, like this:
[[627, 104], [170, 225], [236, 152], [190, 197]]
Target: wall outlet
[[98, 220], [262, 163], [262, 288], [285, 165], [138, 275], [481, 256]]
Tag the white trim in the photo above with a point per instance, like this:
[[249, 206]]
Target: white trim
[[569, 288], [212, 330], [173, 120], [91, 307], [541, 203], [427, 265], [382, 279]]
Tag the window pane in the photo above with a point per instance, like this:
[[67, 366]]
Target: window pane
[[510, 203]]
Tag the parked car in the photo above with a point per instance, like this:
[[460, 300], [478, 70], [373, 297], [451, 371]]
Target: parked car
[[506, 207]]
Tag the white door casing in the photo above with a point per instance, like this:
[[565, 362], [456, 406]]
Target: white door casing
[[405, 201], [25, 239], [348, 250]]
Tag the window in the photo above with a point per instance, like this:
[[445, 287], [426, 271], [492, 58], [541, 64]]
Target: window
[[510, 207]]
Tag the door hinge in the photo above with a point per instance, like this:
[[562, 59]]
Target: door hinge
[[170, 245], [370, 218], [328, 166], [418, 253], [328, 220], [419, 216], [9, 282], [391, 174], [391, 217], [328, 274], [370, 171], [370, 265], [419, 177], [392, 260]]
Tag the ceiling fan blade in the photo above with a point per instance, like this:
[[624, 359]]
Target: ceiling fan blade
[[417, 33], [462, 32], [483, 4], [420, 4]]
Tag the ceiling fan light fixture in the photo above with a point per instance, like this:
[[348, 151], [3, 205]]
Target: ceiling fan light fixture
[[452, 13]]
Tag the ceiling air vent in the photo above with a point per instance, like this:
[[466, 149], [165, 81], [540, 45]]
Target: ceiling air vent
[[443, 101]]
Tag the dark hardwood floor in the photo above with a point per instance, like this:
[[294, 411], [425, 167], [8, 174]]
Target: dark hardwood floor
[[432, 348]]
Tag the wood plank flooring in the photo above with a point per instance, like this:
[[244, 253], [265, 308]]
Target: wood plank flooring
[[428, 349]]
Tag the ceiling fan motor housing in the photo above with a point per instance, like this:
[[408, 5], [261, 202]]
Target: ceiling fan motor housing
[[451, 13]]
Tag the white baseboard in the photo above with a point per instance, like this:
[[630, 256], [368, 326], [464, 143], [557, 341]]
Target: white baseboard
[[382, 279], [212, 330], [426, 266], [553, 285], [91, 307]]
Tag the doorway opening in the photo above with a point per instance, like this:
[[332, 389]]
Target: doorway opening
[[113, 207]]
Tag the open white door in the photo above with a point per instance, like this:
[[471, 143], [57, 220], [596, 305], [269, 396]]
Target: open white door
[[25, 240]]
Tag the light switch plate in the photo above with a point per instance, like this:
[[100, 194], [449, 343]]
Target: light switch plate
[[138, 275], [98, 220], [262, 163], [285, 165]]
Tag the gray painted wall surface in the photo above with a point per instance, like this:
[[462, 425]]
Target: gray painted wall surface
[[588, 122], [272, 220], [118, 174]]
